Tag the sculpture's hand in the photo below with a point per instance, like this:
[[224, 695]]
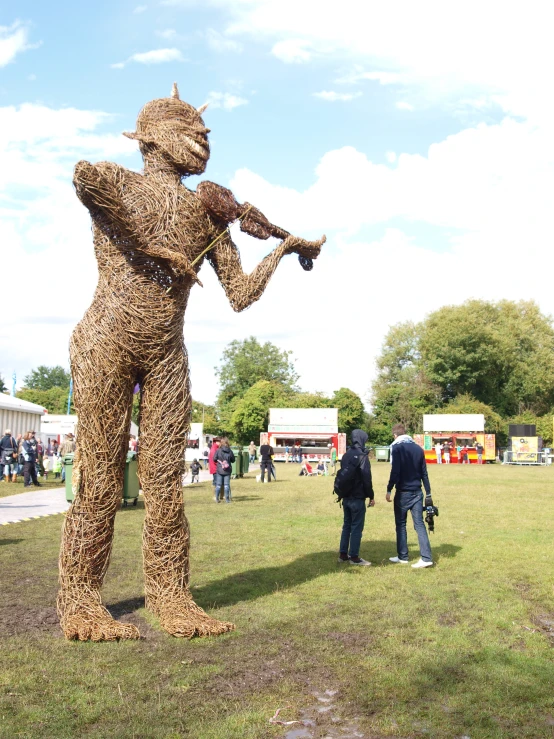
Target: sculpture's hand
[[181, 266], [296, 245]]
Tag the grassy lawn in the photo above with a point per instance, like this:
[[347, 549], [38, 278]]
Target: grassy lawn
[[462, 649], [10, 488]]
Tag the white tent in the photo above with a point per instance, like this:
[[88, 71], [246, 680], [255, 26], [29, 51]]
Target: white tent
[[19, 415]]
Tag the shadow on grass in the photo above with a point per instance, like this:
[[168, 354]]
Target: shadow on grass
[[257, 583], [9, 541]]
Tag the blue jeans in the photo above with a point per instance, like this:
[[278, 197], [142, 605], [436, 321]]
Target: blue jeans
[[411, 500], [354, 519], [224, 480]]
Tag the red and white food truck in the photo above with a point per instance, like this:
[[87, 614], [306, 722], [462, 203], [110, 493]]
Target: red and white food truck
[[312, 428], [460, 431]]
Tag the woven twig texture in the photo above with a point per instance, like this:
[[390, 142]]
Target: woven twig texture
[[151, 236]]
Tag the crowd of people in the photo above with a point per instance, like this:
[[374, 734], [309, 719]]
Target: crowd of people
[[444, 452], [26, 455]]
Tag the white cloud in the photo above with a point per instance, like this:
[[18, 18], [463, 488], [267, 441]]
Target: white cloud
[[292, 51], [156, 56], [45, 228], [167, 33], [332, 96], [218, 42], [403, 105], [13, 40], [140, 9], [225, 100]]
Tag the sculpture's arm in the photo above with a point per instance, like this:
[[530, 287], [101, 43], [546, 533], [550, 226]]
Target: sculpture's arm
[[101, 189], [241, 289]]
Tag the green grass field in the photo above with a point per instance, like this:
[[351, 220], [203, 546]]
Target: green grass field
[[10, 488], [462, 649]]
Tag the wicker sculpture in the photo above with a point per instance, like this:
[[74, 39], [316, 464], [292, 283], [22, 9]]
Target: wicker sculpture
[[151, 235]]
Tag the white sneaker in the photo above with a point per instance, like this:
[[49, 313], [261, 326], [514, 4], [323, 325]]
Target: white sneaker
[[359, 561], [421, 563], [397, 560]]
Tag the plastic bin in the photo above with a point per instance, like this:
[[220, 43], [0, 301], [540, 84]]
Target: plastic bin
[[236, 467], [382, 453], [68, 463], [130, 479], [245, 462]]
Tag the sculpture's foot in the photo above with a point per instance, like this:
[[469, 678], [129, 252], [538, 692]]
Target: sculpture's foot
[[181, 617], [93, 622]]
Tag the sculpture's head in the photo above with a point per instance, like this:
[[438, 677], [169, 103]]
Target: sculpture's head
[[173, 131]]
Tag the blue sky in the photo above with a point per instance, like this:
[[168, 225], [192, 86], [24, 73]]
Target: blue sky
[[416, 136]]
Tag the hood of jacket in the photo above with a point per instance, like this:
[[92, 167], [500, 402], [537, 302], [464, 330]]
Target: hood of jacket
[[359, 438]]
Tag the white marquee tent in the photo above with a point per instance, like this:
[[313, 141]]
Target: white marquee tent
[[19, 415]]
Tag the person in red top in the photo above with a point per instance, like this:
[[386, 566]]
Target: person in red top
[[464, 454], [211, 464]]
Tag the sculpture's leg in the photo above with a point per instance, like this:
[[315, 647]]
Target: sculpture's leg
[[103, 398], [164, 423]]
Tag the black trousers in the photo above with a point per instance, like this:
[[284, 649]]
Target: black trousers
[[30, 473], [263, 467]]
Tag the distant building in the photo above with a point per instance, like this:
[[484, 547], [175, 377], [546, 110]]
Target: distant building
[[19, 415]]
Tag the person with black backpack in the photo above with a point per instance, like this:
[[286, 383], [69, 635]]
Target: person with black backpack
[[223, 458], [353, 485]]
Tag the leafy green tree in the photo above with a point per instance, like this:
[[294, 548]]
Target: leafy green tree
[[543, 424], [247, 362], [204, 413], [500, 353], [3, 388], [44, 378], [251, 413], [309, 400], [352, 414], [54, 399]]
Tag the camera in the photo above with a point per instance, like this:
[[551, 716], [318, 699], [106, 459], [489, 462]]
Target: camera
[[430, 512]]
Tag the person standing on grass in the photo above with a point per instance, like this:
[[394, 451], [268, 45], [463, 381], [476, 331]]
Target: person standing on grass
[[252, 452], [195, 470], [408, 472], [479, 449], [353, 504], [333, 459], [211, 464], [224, 458], [266, 453], [446, 452]]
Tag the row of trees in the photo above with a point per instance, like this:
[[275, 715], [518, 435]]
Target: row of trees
[[478, 357], [253, 377]]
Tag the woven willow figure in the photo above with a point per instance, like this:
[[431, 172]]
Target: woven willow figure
[[151, 235]]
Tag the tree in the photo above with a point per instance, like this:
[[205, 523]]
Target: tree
[[45, 378], [206, 414], [467, 404], [54, 399], [3, 388], [352, 414], [247, 362], [251, 413]]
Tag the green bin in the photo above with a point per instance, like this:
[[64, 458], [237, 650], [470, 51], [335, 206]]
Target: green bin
[[382, 453], [245, 462], [130, 479], [236, 467], [68, 464]]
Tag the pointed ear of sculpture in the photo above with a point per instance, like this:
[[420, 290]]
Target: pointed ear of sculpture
[[175, 91], [202, 108]]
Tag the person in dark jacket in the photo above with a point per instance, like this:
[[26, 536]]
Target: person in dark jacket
[[195, 470], [28, 449], [266, 452], [408, 472], [353, 506], [8, 452], [223, 459]]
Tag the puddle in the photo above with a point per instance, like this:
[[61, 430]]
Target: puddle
[[323, 711]]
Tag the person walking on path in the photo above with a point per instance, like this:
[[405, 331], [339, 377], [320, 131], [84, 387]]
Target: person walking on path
[[408, 472], [353, 505], [252, 452], [195, 470], [28, 449], [224, 458], [8, 452], [266, 452]]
